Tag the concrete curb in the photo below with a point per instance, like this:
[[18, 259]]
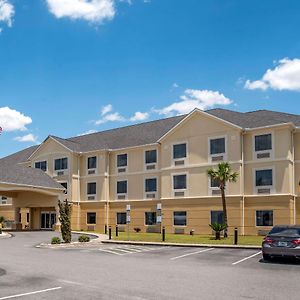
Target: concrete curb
[[72, 245], [5, 235], [182, 245]]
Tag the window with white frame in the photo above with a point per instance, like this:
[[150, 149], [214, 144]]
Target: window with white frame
[[264, 178], [121, 218], [217, 147], [91, 188], [264, 218], [263, 142], [121, 160], [61, 164], [179, 182], [3, 200], [150, 185], [122, 187], [151, 156], [91, 218], [41, 165], [92, 162], [179, 218], [179, 151], [217, 216], [150, 218]]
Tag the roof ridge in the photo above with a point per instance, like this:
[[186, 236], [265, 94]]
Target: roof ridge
[[273, 111]]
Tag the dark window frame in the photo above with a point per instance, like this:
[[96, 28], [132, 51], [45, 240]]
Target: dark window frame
[[90, 215], [92, 162], [91, 187], [121, 159]]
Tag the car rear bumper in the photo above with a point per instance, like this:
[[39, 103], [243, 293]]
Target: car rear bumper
[[281, 251]]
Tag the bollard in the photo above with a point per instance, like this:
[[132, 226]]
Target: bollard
[[105, 229], [117, 230], [235, 236], [109, 233], [163, 234]]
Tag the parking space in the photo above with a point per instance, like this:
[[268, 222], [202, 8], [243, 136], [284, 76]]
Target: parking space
[[111, 271]]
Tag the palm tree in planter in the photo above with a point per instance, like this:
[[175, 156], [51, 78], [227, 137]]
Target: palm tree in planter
[[218, 228], [222, 175]]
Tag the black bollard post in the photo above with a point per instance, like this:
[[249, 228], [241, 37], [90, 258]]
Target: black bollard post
[[109, 233], [117, 230], [235, 236], [163, 234], [105, 229]]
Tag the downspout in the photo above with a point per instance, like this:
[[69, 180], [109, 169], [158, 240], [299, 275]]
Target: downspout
[[107, 170], [294, 178], [243, 184], [78, 191]]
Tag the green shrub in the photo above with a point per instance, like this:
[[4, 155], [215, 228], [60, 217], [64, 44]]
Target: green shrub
[[217, 228], [83, 239], [55, 240]]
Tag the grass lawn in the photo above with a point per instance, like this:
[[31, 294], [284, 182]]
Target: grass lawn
[[192, 239]]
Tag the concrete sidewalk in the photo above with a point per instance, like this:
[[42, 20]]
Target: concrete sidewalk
[[181, 244]]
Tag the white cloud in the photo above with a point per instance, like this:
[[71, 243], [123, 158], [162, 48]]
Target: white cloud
[[285, 76], [202, 99], [139, 116], [12, 120], [175, 85], [113, 117], [7, 12], [88, 132], [106, 109], [26, 138], [95, 11]]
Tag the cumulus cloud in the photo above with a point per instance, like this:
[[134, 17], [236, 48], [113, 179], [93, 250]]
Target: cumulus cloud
[[12, 120], [285, 76], [191, 99], [7, 12], [87, 132], [139, 116], [106, 109], [113, 117], [26, 138], [95, 11]]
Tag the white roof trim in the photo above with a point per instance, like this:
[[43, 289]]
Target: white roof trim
[[271, 126], [196, 110], [33, 186]]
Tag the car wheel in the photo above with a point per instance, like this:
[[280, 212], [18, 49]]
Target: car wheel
[[266, 257]]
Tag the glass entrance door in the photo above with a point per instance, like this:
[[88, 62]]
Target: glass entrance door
[[48, 219]]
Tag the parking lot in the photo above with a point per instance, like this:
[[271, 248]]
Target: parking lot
[[140, 272]]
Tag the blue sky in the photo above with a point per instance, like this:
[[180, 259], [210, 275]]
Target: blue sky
[[75, 66]]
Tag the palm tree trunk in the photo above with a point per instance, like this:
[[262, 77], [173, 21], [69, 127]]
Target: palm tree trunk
[[224, 209]]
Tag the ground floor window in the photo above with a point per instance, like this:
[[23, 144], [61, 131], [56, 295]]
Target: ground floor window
[[150, 218], [264, 218], [91, 218], [121, 218], [179, 218], [217, 216]]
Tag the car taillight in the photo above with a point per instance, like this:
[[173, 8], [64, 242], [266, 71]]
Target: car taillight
[[268, 240], [296, 242]]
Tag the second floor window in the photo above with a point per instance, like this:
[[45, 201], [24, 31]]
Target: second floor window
[[214, 183], [264, 177], [179, 151], [122, 160], [122, 187], [150, 185], [41, 165], [179, 182], [217, 146], [91, 188], [61, 164], [92, 162], [150, 157], [263, 142]]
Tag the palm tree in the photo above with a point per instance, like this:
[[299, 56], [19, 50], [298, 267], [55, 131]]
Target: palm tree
[[222, 175]]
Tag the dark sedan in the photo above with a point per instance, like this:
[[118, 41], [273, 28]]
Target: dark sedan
[[282, 241]]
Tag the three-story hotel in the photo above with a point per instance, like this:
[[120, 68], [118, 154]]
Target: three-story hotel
[[155, 174]]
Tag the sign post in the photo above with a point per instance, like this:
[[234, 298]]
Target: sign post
[[128, 208]]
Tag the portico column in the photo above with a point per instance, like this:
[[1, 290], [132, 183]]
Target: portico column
[[18, 225]]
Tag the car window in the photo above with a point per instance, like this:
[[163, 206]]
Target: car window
[[282, 231]]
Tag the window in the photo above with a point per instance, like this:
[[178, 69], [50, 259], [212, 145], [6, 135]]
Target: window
[[92, 162], [41, 165], [263, 142], [65, 185], [150, 157], [121, 218], [179, 151], [214, 183], [91, 188], [61, 164], [179, 182], [122, 160], [179, 218], [150, 218], [217, 146], [91, 218], [264, 177], [122, 187], [27, 217], [264, 218], [3, 200], [216, 217], [151, 185]]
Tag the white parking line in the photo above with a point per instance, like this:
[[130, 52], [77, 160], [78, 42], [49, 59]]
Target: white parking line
[[188, 254], [108, 251], [31, 293], [248, 257]]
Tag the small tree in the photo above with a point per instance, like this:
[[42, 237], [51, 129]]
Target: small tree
[[217, 228], [2, 219], [65, 209], [222, 175]]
